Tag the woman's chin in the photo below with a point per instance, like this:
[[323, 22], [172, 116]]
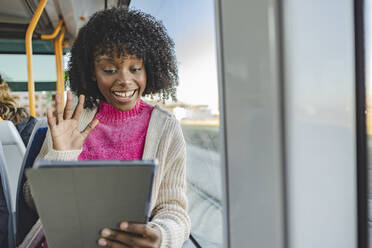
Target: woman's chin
[[125, 106]]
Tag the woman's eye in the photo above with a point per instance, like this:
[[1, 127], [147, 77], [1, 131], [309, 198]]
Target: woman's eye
[[136, 69], [109, 71]]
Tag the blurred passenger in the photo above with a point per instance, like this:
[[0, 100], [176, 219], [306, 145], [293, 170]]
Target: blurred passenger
[[9, 110]]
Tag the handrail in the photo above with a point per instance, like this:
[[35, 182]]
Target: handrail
[[59, 64], [28, 41], [58, 54], [55, 32]]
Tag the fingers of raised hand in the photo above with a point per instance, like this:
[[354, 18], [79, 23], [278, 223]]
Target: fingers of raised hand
[[50, 118], [59, 110], [68, 109], [89, 128], [60, 114], [79, 108]]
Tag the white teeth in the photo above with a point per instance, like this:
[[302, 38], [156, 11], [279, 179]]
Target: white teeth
[[124, 94]]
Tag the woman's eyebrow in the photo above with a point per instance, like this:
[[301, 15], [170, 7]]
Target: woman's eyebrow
[[104, 58], [132, 59]]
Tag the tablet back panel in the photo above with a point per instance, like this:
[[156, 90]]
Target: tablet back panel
[[75, 203]]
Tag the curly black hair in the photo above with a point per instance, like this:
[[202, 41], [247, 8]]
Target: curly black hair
[[124, 32]]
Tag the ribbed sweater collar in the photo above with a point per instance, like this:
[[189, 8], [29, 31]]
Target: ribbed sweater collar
[[109, 114]]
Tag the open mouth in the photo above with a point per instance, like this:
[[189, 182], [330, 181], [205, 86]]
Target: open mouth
[[124, 94]]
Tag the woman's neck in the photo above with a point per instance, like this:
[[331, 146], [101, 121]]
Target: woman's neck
[[108, 113]]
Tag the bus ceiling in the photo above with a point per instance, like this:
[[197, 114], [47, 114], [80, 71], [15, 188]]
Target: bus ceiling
[[15, 16]]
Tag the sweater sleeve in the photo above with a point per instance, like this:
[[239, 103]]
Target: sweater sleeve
[[47, 152], [170, 212]]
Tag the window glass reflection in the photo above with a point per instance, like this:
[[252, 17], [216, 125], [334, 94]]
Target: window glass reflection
[[191, 24]]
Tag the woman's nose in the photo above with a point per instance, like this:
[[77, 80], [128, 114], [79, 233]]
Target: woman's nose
[[124, 76]]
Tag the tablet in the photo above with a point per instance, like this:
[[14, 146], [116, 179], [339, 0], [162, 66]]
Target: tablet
[[76, 199]]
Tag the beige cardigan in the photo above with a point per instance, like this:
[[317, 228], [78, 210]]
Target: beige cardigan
[[164, 142]]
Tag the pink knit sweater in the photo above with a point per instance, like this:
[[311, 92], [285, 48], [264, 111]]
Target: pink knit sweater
[[119, 135]]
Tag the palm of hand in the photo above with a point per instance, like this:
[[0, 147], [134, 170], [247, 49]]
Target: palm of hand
[[64, 131], [66, 136]]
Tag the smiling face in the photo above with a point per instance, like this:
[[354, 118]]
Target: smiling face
[[121, 80]]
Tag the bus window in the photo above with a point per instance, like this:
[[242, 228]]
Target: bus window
[[191, 24], [13, 69]]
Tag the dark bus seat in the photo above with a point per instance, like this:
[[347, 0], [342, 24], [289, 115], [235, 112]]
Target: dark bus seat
[[25, 217]]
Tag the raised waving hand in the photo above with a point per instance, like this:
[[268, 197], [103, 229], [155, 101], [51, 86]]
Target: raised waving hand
[[63, 128]]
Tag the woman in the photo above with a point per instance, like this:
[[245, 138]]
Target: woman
[[119, 56]]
